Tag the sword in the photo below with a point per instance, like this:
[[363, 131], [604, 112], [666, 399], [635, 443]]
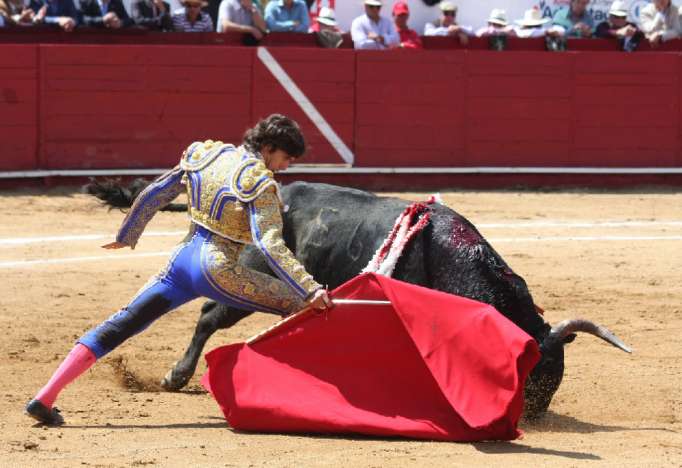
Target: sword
[[359, 302], [262, 334]]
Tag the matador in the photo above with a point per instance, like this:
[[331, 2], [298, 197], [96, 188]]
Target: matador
[[233, 201]]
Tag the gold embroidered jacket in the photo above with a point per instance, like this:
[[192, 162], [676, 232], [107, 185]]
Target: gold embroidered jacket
[[232, 194]]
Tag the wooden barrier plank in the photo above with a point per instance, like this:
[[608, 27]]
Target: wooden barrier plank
[[343, 93], [18, 107], [520, 86], [112, 154], [503, 65], [618, 114], [519, 108], [147, 55], [509, 153], [443, 93], [529, 129], [625, 157], [658, 138], [409, 156], [617, 63]]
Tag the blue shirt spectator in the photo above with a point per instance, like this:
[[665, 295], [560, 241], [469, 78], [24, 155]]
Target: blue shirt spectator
[[287, 16], [575, 19], [60, 13]]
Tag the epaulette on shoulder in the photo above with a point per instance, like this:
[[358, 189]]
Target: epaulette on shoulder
[[251, 178], [199, 154]]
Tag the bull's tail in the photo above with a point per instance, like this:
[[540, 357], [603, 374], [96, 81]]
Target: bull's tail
[[115, 194]]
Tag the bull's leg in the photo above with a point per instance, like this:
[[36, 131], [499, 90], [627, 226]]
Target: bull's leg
[[214, 316]]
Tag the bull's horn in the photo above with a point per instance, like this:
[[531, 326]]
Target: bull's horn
[[565, 328]]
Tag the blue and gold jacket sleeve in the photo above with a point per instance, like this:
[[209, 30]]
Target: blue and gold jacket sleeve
[[157, 195], [257, 189]]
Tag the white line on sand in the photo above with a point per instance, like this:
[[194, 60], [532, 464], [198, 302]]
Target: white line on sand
[[13, 241], [28, 263]]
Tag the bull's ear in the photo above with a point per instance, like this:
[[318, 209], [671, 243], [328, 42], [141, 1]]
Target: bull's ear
[[569, 338]]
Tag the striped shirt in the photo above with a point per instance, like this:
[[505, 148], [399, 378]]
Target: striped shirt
[[181, 23]]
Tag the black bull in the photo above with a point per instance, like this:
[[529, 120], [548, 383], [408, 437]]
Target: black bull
[[335, 231]]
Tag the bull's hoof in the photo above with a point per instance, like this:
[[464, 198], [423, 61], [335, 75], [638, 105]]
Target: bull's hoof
[[173, 381]]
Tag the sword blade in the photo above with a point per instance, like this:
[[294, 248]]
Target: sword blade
[[359, 302]]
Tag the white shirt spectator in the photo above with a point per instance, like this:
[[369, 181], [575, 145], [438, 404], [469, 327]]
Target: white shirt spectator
[[431, 29], [665, 24], [234, 11], [363, 25]]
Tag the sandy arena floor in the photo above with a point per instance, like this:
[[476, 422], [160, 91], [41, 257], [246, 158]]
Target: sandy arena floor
[[613, 409]]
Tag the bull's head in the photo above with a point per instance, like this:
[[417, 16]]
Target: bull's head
[[546, 376]]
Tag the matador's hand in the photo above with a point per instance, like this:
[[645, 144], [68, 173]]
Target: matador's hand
[[321, 300], [114, 245]]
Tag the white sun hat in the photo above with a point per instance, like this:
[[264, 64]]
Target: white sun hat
[[619, 8], [532, 17], [498, 16], [326, 16]]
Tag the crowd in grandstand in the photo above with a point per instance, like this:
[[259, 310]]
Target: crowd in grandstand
[[658, 21]]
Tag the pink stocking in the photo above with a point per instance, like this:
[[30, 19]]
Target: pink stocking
[[78, 361]]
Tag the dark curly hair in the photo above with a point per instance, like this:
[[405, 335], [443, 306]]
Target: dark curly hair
[[279, 132]]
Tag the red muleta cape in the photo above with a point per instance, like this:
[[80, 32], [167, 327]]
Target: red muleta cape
[[430, 366]]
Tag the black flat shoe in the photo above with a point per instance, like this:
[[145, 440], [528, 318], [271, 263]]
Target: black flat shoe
[[38, 411]]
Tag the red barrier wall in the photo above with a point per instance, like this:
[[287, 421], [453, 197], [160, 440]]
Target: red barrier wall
[[75, 106], [18, 107], [136, 106]]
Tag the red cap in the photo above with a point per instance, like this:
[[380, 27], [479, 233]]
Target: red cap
[[400, 8]]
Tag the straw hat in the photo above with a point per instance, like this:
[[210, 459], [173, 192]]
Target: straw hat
[[532, 17]]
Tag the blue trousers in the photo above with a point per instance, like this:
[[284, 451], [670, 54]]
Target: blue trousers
[[205, 265]]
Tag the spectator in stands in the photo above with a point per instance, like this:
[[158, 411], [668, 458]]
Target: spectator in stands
[[58, 13], [409, 39], [326, 29], [152, 14], [497, 25], [660, 21], [190, 18], [287, 16], [242, 16], [373, 31], [109, 14], [16, 13], [497, 30], [618, 27], [575, 19], [447, 25]]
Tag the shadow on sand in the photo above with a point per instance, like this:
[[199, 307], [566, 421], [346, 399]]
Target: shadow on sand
[[554, 422]]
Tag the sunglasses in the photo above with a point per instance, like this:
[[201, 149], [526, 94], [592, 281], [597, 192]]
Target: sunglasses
[[448, 13], [192, 5], [374, 7]]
